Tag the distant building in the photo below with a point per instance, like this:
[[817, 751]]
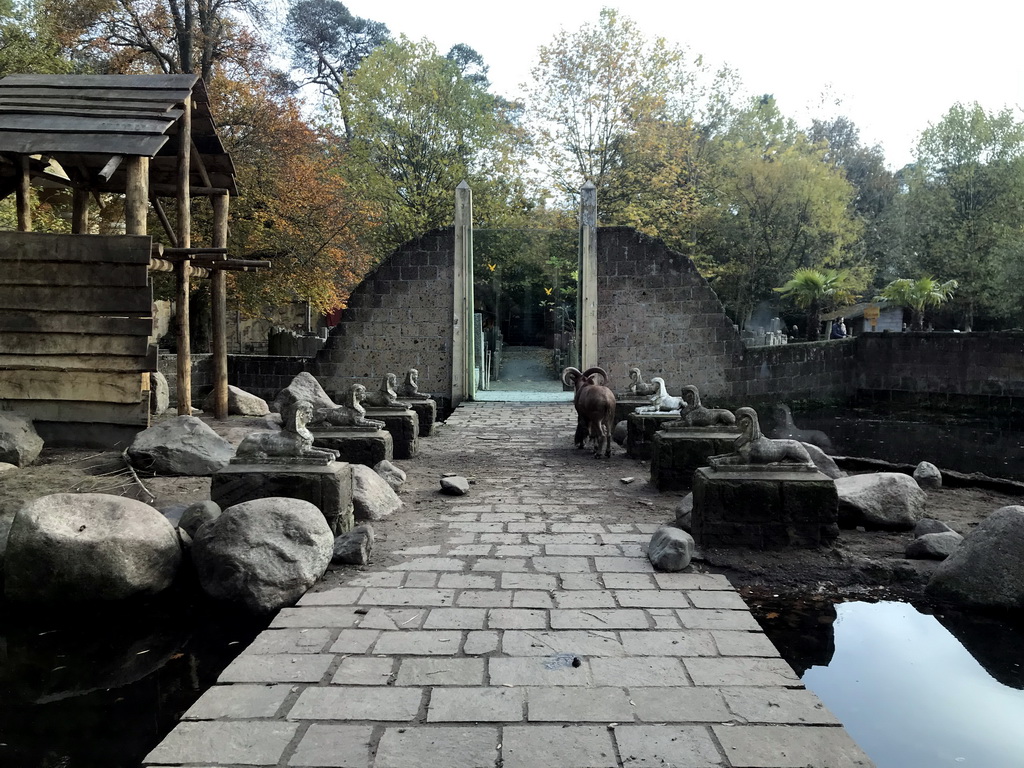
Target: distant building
[[890, 318]]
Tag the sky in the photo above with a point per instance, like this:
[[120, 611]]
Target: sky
[[894, 66]]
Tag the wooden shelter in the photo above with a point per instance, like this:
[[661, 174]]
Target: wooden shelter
[[147, 137]]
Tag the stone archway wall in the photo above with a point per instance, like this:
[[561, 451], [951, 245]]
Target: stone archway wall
[[399, 317], [655, 311]]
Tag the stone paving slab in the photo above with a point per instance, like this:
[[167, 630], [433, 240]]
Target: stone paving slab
[[536, 636]]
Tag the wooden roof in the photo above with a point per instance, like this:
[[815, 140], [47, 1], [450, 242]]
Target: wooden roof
[[82, 121]]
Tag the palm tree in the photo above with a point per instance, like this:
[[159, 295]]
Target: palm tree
[[815, 290], [918, 295]]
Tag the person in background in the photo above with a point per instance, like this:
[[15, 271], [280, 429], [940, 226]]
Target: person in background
[[838, 329]]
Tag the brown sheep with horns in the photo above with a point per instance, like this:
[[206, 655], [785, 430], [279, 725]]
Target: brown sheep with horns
[[595, 408]]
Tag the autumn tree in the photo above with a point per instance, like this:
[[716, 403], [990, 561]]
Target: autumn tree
[[818, 290]]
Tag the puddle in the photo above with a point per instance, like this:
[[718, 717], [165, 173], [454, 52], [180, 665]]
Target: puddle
[[914, 690]]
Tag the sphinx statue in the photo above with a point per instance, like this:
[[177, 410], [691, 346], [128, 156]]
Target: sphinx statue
[[752, 447], [410, 389], [386, 396], [661, 400], [292, 445], [697, 415], [348, 415], [637, 385], [786, 429]]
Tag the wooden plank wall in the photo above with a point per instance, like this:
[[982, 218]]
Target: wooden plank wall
[[76, 314]]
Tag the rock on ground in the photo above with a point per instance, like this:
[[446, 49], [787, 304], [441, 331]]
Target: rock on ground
[[89, 546], [263, 554], [159, 393], [180, 446], [303, 387], [684, 512], [5, 467], [197, 515], [933, 546], [984, 571], [240, 403], [454, 485], [354, 547], [671, 549], [19, 443], [928, 525], [928, 475], [372, 497], [392, 475], [620, 432], [889, 501]]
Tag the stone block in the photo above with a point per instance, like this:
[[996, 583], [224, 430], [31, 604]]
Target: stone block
[[677, 454], [426, 412], [404, 426], [626, 405], [369, 448], [641, 431], [763, 509], [328, 487]]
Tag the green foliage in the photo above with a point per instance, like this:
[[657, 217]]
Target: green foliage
[[817, 291], [419, 128], [29, 42], [918, 294], [962, 214]]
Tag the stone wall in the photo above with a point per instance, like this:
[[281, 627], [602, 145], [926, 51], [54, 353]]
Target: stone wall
[[264, 375], [202, 375], [820, 370], [983, 367], [655, 311], [399, 317]]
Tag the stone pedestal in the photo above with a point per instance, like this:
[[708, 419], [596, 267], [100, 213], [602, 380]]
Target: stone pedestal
[[626, 404], [404, 426], [357, 447], [676, 454], [749, 506], [641, 431], [426, 412], [329, 487]]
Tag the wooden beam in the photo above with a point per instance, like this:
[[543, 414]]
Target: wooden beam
[[80, 211], [167, 190], [136, 195], [218, 297], [24, 195], [84, 386], [184, 196], [112, 165], [197, 161], [164, 221]]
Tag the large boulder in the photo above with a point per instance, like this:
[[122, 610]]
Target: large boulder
[[888, 501], [240, 403], [196, 515], [354, 547], [89, 546], [180, 446], [671, 549], [19, 443], [303, 387], [393, 476], [684, 512], [928, 475], [264, 553], [933, 546], [372, 497], [984, 571]]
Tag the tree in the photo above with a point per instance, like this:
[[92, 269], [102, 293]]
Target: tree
[[590, 90], [29, 42], [419, 127], [962, 212], [918, 295], [817, 290]]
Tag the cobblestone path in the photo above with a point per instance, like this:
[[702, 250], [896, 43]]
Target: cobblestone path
[[536, 636]]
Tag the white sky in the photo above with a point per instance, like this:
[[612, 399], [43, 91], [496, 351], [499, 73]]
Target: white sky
[[897, 65]]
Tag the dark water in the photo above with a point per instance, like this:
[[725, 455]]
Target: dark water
[[914, 690], [103, 688], [992, 445]]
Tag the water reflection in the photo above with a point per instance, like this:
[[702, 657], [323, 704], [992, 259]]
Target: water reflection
[[102, 689], [912, 694]]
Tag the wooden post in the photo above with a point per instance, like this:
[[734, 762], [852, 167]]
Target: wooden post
[[24, 196], [80, 211], [218, 297], [586, 317], [184, 195], [136, 195]]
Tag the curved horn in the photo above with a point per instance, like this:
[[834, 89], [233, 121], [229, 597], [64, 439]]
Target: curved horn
[[569, 376], [597, 369]]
